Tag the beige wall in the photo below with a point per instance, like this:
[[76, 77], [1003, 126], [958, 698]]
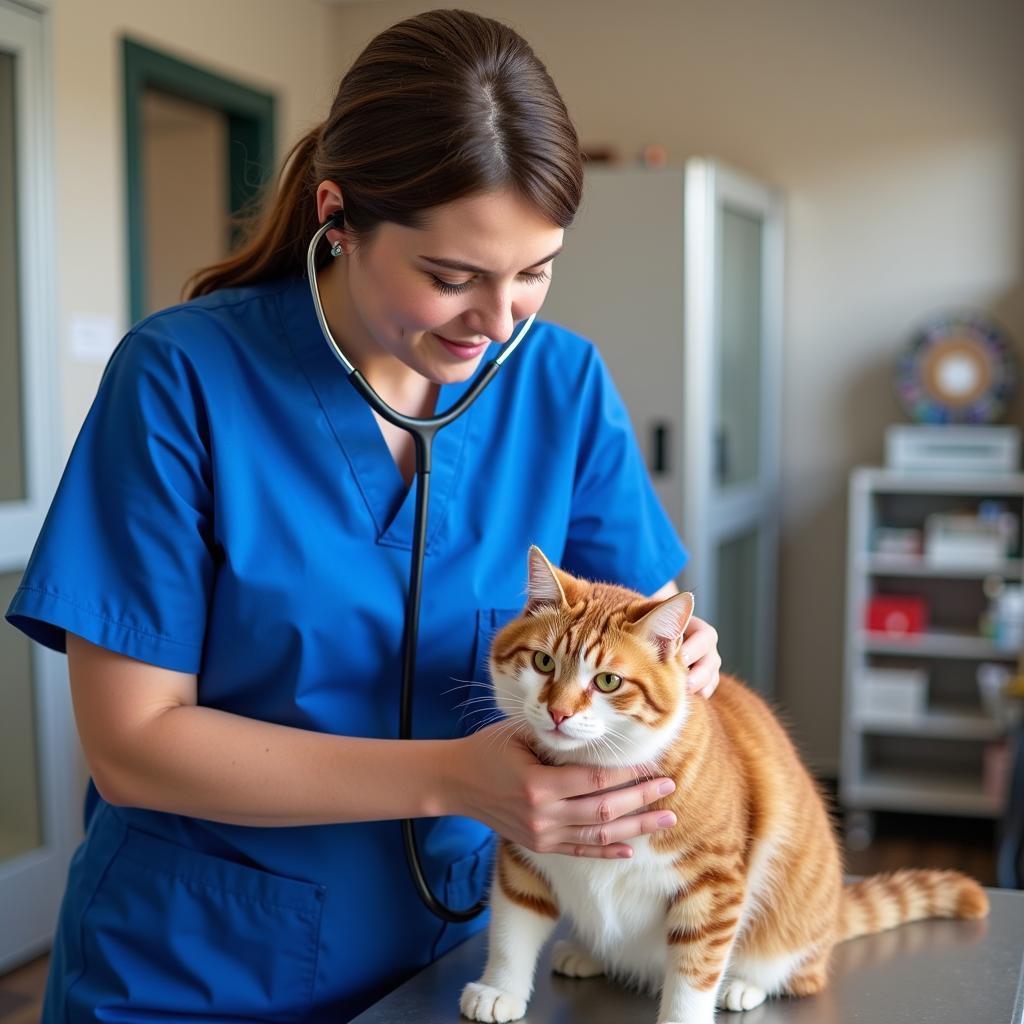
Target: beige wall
[[895, 129], [281, 46]]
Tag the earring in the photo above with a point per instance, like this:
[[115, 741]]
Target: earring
[[336, 249]]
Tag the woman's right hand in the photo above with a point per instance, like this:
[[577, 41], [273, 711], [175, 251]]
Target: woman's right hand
[[497, 779]]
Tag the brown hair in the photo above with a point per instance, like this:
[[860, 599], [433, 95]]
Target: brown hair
[[440, 106]]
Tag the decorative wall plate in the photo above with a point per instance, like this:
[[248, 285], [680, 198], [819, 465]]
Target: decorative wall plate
[[958, 368]]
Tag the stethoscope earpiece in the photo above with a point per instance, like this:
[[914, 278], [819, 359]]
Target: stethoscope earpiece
[[337, 220]]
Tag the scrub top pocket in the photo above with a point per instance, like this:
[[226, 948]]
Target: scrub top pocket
[[488, 623], [467, 881], [175, 934]]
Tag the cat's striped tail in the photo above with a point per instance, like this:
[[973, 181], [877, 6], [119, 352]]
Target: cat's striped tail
[[885, 901]]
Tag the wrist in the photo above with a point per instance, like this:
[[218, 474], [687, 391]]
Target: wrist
[[446, 787]]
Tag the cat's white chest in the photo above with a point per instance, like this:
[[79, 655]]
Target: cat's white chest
[[617, 907]]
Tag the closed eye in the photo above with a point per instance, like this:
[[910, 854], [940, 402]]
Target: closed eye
[[447, 288]]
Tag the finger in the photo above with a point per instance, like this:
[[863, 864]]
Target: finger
[[694, 649], [617, 852], [603, 808], [698, 679], [568, 782], [709, 689], [618, 831]]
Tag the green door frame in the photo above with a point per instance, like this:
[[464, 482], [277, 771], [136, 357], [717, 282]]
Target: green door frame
[[251, 156]]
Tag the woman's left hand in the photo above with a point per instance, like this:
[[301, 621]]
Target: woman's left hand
[[700, 652]]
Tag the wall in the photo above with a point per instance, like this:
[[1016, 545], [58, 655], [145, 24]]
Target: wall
[[894, 128], [282, 47]]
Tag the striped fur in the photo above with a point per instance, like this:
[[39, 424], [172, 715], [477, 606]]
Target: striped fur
[[743, 897]]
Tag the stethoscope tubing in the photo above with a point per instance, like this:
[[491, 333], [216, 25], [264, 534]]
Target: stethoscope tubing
[[423, 431]]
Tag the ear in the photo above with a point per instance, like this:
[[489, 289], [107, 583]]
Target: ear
[[329, 201], [665, 624], [544, 591]]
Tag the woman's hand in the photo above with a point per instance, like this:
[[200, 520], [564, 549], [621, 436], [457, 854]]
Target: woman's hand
[[495, 777], [700, 652]]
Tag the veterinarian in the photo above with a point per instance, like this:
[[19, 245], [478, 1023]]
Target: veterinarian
[[226, 561]]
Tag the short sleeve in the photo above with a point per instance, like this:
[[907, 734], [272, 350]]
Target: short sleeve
[[125, 556], [618, 530]]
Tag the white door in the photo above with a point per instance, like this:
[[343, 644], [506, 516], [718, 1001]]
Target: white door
[[734, 286], [38, 789]]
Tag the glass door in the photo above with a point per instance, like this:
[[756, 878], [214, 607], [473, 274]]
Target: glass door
[[733, 287], [37, 745]]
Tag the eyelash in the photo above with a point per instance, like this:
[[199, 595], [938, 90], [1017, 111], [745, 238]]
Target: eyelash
[[446, 288]]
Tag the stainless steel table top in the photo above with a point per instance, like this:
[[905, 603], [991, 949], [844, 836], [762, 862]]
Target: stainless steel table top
[[939, 972]]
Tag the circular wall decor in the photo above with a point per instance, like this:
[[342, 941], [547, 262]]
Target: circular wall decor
[[958, 368]]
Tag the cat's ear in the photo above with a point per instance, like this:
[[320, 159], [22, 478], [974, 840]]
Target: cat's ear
[[544, 589], [665, 624]]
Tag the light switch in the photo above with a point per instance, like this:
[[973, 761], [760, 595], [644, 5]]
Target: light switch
[[93, 337]]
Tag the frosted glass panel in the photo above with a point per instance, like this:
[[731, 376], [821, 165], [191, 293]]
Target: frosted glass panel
[[185, 172], [736, 621], [12, 438], [20, 829], [738, 353]]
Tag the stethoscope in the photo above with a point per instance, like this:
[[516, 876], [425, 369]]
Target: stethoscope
[[423, 431]]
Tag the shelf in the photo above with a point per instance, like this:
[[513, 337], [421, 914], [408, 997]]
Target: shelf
[[915, 565], [891, 481], [937, 723], [937, 644], [932, 762], [894, 791]]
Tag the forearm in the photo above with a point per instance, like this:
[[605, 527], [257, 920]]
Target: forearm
[[210, 764]]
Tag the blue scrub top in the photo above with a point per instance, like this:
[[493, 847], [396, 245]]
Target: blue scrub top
[[231, 509]]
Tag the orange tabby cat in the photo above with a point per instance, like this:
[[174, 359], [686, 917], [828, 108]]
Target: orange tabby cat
[[743, 897]]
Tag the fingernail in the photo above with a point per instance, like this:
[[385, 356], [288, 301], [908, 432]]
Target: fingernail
[[666, 787], [667, 819], [626, 854]]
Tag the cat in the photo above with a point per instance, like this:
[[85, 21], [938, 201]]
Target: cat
[[743, 897]]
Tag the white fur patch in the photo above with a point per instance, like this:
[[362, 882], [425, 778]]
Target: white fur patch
[[617, 908], [769, 974]]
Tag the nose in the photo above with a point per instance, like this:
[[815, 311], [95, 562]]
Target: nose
[[496, 319], [558, 717]]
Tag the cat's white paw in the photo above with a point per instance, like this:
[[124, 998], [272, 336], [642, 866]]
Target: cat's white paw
[[482, 1002], [569, 959], [740, 995]]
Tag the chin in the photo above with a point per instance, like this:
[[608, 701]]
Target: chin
[[568, 749]]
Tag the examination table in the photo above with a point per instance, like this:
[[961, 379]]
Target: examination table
[[929, 972]]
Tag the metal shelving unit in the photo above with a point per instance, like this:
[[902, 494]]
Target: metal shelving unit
[[930, 762]]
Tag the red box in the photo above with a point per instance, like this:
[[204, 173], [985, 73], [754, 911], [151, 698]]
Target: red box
[[897, 615]]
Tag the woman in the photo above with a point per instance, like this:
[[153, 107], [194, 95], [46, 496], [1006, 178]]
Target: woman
[[226, 561]]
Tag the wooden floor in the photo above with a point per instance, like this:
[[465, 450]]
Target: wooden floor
[[21, 993], [900, 841]]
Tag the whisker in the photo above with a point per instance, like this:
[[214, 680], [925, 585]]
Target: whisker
[[466, 682], [508, 725], [477, 726]]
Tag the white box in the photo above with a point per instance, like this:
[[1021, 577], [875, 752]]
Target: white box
[[954, 540], [892, 693], [952, 449]]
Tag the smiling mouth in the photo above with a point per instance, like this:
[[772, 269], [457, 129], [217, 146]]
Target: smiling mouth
[[464, 344]]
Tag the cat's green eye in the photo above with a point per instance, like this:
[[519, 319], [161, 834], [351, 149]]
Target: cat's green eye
[[607, 682], [543, 662]]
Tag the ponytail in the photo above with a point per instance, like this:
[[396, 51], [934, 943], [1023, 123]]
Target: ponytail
[[275, 236]]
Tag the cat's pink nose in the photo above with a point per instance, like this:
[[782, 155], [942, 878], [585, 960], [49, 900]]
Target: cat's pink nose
[[557, 716]]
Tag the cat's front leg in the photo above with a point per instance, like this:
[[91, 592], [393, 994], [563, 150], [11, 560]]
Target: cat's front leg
[[523, 915], [702, 921]]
